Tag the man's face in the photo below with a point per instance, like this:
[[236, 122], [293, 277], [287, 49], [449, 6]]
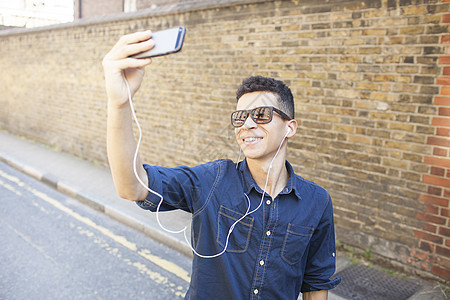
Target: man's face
[[260, 141]]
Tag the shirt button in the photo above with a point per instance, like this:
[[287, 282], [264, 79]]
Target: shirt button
[[268, 202], [255, 291], [261, 262], [268, 232]]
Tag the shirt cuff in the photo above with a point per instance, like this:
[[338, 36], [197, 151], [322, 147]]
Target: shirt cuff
[[152, 201], [318, 286], [145, 204]]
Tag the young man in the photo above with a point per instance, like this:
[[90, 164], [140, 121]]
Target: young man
[[282, 231]]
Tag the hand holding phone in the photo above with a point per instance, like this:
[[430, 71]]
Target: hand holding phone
[[166, 42]]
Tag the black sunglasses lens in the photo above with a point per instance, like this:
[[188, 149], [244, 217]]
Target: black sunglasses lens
[[262, 115], [238, 118]]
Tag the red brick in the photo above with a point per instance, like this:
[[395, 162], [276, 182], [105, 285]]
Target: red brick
[[443, 251], [443, 132], [430, 218], [447, 242], [444, 101], [428, 238], [436, 191], [447, 193], [444, 111], [443, 80], [445, 39], [437, 161], [434, 200], [446, 70], [437, 171], [445, 213], [445, 90], [431, 209], [444, 60], [440, 151], [439, 121], [436, 180], [429, 227], [444, 231], [445, 273], [446, 18], [431, 140]]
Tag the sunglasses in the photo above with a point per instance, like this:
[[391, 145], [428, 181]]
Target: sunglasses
[[260, 115]]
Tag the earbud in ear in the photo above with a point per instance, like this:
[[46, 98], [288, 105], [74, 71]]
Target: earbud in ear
[[287, 132]]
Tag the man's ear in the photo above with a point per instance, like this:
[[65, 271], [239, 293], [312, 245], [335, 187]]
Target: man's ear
[[292, 128]]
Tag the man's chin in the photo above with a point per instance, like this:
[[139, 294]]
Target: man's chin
[[252, 155]]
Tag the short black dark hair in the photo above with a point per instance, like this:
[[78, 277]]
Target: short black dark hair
[[268, 84]]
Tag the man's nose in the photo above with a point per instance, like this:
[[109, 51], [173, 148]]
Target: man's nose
[[249, 123]]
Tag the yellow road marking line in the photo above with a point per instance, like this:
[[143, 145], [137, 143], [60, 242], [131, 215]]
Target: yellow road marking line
[[10, 188], [142, 268], [161, 262]]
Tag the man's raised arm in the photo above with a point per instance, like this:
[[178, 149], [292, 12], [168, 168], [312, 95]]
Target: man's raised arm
[[121, 144]]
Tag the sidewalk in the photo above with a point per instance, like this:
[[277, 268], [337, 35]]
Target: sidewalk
[[93, 186]]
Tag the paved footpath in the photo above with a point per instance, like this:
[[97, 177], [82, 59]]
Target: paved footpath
[[93, 186]]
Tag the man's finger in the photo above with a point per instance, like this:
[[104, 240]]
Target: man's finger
[[131, 49], [133, 63], [135, 37]]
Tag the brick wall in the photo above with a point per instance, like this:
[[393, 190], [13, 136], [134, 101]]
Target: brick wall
[[370, 81]]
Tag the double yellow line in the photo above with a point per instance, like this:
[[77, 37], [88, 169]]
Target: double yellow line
[[145, 253]]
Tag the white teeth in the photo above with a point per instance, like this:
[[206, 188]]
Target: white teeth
[[252, 139]]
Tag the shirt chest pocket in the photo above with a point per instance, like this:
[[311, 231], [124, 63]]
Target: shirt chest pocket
[[240, 236], [295, 243]]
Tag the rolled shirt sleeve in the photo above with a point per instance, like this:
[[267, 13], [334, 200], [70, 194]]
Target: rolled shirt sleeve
[[321, 263], [175, 185], [181, 187]]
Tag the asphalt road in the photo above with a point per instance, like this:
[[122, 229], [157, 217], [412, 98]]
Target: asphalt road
[[53, 247]]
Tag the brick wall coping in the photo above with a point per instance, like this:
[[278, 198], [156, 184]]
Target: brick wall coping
[[160, 10]]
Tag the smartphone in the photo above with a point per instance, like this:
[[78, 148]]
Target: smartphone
[[166, 42]]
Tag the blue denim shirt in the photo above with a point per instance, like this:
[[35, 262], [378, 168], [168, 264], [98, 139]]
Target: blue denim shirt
[[286, 247]]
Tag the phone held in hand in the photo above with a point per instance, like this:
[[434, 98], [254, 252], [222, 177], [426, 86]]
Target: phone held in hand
[[166, 42]]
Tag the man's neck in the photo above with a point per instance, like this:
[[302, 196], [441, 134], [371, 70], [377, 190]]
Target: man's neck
[[278, 174]]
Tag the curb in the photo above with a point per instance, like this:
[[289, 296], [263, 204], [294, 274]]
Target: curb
[[93, 202]]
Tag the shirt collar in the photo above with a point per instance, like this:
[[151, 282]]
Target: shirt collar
[[249, 183]]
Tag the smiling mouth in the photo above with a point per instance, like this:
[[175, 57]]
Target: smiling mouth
[[252, 139]]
